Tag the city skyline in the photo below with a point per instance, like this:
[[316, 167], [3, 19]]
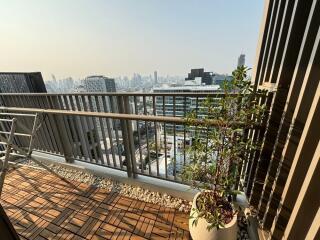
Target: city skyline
[[119, 38]]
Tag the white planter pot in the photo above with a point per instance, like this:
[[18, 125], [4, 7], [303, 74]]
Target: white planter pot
[[229, 232]]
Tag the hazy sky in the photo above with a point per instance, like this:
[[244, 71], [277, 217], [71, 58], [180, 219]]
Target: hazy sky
[[119, 37]]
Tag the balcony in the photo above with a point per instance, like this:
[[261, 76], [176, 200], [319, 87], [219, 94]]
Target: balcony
[[110, 135], [141, 139]]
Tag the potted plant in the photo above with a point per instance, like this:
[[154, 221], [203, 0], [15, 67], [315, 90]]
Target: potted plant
[[219, 144]]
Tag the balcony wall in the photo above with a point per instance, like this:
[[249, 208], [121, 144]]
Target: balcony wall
[[284, 189]]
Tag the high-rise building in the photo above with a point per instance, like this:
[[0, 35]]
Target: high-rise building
[[241, 60], [182, 104], [99, 83], [21, 82], [155, 77], [194, 83], [218, 79], [206, 77]]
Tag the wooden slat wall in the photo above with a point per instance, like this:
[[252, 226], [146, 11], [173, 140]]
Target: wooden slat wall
[[284, 188]]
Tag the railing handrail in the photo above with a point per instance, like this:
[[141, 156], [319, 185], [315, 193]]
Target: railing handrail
[[122, 116], [182, 94]]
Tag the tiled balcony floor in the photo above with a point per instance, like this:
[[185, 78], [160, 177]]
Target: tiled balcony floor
[[41, 205]]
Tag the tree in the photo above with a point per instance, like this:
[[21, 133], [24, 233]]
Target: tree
[[220, 145]]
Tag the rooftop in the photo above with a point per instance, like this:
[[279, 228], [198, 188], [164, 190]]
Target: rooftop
[[188, 88]]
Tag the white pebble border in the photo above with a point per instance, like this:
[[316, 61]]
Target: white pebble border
[[127, 190]]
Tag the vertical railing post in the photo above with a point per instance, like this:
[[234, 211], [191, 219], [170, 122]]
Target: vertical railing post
[[128, 110], [62, 132], [125, 136]]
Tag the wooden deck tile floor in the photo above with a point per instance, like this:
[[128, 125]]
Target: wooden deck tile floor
[[41, 205]]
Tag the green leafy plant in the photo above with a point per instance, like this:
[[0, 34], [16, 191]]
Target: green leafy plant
[[220, 144]]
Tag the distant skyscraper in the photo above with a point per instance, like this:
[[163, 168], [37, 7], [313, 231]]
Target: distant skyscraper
[[155, 77], [53, 77], [99, 83], [241, 60], [19, 82]]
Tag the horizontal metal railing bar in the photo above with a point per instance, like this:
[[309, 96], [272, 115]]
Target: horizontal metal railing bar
[[17, 114], [122, 116], [5, 120], [16, 134], [191, 94], [17, 155]]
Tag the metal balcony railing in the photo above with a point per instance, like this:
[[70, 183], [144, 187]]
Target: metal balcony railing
[[142, 134]]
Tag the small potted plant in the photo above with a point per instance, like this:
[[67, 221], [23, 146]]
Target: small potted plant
[[218, 147]]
